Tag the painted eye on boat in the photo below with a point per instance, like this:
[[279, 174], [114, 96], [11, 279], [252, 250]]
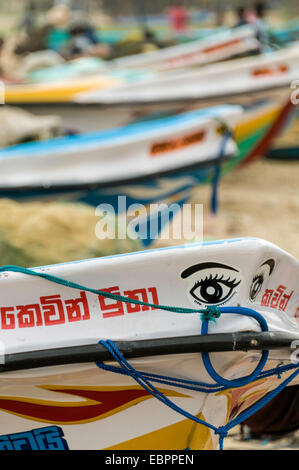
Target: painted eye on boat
[[256, 286], [264, 271], [211, 283], [214, 290]]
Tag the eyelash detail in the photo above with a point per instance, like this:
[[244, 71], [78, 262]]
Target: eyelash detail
[[228, 282], [258, 277]]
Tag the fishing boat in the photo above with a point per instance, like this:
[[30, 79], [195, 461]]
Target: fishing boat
[[54, 91], [286, 148], [220, 46], [183, 343], [241, 81], [147, 162], [61, 83], [254, 127], [258, 74], [263, 80], [156, 161]]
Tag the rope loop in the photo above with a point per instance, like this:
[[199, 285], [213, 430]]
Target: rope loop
[[262, 362]]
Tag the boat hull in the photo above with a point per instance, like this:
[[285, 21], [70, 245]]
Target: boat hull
[[83, 117], [254, 131], [84, 408], [77, 404]]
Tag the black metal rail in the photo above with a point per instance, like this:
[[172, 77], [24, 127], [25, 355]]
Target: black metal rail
[[222, 342]]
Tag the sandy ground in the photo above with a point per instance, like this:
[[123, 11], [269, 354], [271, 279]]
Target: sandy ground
[[261, 200], [233, 442]]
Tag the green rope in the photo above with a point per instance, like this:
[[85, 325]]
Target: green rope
[[209, 311], [210, 314]]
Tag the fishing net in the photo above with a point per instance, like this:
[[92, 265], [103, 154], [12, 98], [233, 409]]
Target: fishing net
[[42, 233]]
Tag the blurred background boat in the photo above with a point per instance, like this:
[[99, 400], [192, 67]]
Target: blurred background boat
[[122, 98], [148, 162]]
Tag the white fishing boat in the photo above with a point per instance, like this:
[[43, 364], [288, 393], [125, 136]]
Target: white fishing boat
[[120, 101], [170, 341], [258, 74], [147, 162], [214, 48], [221, 45], [246, 81]]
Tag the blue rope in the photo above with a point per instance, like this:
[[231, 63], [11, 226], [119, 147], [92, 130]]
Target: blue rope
[[206, 357], [144, 382], [220, 381], [194, 385]]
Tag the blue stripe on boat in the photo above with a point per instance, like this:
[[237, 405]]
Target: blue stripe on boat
[[61, 143]]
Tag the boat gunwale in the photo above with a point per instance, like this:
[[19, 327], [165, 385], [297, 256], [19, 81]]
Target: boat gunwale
[[218, 342], [65, 187]]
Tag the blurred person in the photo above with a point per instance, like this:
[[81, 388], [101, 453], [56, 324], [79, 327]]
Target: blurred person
[[1, 49], [251, 16], [58, 19], [150, 42], [28, 20], [23, 52], [84, 40], [241, 14], [53, 35], [178, 17], [219, 13], [260, 23], [256, 17]]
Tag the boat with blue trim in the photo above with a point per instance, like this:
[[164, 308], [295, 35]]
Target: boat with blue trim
[[147, 162]]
